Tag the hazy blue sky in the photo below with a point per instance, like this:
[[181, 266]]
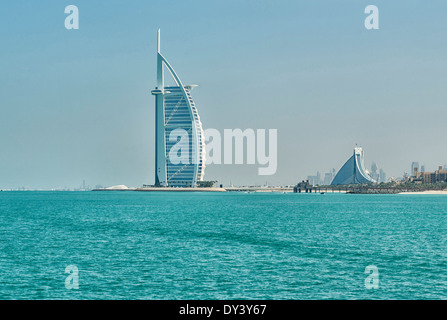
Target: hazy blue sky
[[76, 104]]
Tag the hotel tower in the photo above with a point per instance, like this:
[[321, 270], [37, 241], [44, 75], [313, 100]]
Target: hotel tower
[[175, 109]]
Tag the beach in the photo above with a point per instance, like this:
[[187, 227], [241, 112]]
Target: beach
[[427, 192]]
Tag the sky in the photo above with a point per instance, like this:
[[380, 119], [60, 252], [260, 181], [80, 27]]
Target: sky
[[76, 105]]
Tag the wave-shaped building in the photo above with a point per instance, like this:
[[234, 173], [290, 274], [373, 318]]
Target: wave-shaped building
[[175, 110], [353, 171]]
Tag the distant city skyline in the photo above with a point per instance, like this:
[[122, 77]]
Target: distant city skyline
[[76, 104]]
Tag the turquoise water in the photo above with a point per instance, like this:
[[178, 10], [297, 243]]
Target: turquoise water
[[131, 245]]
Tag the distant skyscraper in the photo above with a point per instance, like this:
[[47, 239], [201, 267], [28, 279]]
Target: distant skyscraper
[[382, 176], [175, 109], [414, 165], [353, 171], [327, 178], [422, 168], [373, 172]]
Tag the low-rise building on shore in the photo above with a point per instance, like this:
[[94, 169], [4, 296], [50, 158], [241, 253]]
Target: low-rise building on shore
[[439, 175]]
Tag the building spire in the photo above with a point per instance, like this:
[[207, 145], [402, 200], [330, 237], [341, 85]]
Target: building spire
[[160, 81], [158, 41]]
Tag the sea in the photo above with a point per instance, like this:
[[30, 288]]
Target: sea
[[199, 245]]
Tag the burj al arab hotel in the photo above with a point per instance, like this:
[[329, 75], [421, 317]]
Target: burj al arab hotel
[[175, 110]]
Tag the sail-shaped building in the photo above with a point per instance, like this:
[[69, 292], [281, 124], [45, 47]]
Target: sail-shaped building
[[175, 110], [353, 171]]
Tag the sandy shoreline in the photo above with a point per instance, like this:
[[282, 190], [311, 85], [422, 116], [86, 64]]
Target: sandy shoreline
[[426, 192]]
